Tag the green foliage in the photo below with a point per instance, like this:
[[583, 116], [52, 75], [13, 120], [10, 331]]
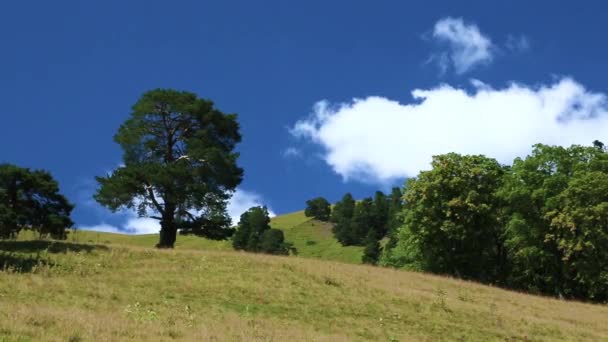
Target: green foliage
[[372, 250], [344, 209], [380, 212], [362, 223], [318, 208], [273, 242], [394, 211], [555, 208], [30, 199], [451, 219], [179, 165], [255, 235], [354, 221], [342, 216], [539, 225]]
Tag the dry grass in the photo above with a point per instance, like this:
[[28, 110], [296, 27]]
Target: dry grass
[[95, 293]]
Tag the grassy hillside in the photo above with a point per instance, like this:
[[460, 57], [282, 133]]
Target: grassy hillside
[[311, 238], [314, 238], [87, 292]]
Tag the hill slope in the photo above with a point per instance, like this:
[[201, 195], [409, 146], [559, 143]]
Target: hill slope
[[312, 238], [70, 291]]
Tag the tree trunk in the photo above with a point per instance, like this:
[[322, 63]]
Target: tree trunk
[[168, 234]]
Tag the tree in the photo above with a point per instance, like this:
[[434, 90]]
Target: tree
[[555, 230], [344, 209], [394, 220], [319, 208], [30, 199], [341, 216], [579, 230], [380, 212], [599, 145], [362, 223], [253, 223], [451, 219], [255, 235], [273, 242], [179, 165], [372, 250]]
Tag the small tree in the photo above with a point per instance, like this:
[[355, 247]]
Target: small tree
[[372, 250], [253, 223], [273, 242], [319, 208], [255, 235], [31, 200]]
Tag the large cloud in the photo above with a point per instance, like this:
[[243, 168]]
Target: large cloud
[[468, 47], [132, 224], [378, 140]]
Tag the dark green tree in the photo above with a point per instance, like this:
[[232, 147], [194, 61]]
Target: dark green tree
[[344, 209], [362, 223], [30, 199], [255, 235], [599, 145], [380, 213], [372, 250], [252, 225], [179, 165], [341, 216], [273, 242], [452, 219], [319, 208]]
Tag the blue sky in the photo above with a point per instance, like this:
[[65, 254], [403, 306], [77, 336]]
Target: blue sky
[[332, 96]]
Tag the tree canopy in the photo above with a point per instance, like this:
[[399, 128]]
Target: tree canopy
[[450, 218], [319, 208], [540, 225], [179, 165], [30, 199], [254, 234]]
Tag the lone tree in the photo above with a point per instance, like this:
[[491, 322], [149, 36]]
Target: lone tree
[[31, 200], [179, 165], [318, 208]]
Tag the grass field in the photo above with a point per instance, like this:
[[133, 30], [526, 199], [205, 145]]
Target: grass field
[[77, 292], [109, 287], [312, 239]]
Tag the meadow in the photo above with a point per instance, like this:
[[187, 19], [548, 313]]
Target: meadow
[[110, 287]]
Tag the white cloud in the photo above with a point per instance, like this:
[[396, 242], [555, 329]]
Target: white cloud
[[132, 224], [379, 140], [102, 227], [517, 43], [292, 152], [241, 201], [468, 47]]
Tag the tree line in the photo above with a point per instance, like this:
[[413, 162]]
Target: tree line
[[361, 223], [539, 225]]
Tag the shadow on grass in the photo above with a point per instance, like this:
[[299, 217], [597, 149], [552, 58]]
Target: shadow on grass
[[19, 263], [24, 256], [36, 246]]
